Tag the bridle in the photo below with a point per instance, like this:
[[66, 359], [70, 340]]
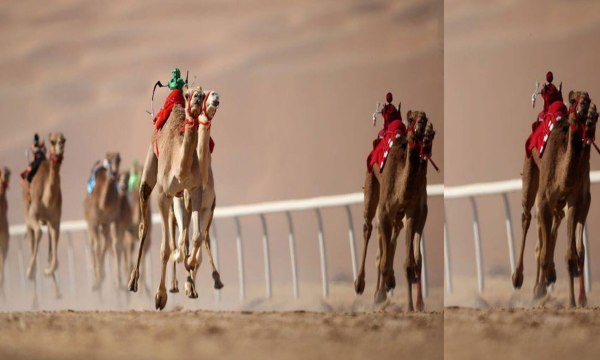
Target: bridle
[[194, 122], [55, 158], [580, 127], [418, 143]]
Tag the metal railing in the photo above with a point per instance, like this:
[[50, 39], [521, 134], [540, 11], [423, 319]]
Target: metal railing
[[260, 210], [498, 188]]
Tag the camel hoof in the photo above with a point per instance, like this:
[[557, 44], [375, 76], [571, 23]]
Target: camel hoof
[[359, 285], [133, 281], [380, 296], [217, 278], [190, 289], [391, 283], [517, 279], [420, 306], [160, 299], [539, 291], [174, 286]]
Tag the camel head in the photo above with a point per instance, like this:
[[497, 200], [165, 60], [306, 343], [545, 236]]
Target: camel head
[[4, 178], [123, 183], [417, 122], [589, 130], [211, 103], [114, 162], [194, 99], [428, 137], [580, 103], [57, 146]]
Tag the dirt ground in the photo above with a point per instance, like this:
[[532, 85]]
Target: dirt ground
[[546, 333], [387, 334]]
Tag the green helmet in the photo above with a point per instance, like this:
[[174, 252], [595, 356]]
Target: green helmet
[[176, 81]]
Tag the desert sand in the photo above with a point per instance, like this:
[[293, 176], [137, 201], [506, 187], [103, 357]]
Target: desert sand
[[220, 335], [538, 333]]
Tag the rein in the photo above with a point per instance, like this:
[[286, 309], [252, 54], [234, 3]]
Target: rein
[[580, 127], [419, 144], [55, 159]]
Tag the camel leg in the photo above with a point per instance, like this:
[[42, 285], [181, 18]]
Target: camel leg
[[371, 190], [35, 244], [102, 249], [409, 262], [172, 226], [95, 253], [571, 255], [127, 250], [391, 283], [164, 204], [206, 221], [581, 219], [384, 234], [149, 175], [419, 226], [181, 214], [191, 263], [557, 219], [115, 248], [53, 234], [545, 221], [530, 187]]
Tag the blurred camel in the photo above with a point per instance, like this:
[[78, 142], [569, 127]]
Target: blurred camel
[[4, 236]]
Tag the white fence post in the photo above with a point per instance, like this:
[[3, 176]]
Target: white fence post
[[215, 252], [447, 265], [587, 266], [423, 266], [322, 254], [509, 232], [240, 259], [266, 257], [476, 237], [352, 240], [292, 245]]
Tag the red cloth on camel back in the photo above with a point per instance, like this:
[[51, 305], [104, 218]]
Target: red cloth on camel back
[[554, 109], [382, 145], [174, 98]]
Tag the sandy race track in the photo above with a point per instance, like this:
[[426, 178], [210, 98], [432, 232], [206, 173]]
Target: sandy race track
[[224, 335], [519, 333]]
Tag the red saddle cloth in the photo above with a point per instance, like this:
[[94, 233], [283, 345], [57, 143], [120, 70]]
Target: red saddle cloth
[[174, 98], [542, 127], [383, 143]]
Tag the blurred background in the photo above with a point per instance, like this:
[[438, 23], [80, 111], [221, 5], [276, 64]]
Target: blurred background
[[298, 82], [495, 51]]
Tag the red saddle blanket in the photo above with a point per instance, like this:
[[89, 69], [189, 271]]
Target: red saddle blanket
[[174, 98], [542, 127], [383, 144]]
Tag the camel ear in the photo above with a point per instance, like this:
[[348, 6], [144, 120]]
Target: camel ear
[[571, 97]]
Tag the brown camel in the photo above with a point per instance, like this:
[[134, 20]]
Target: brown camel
[[403, 185], [178, 167], [560, 178], [180, 218], [129, 221], [101, 209], [4, 236], [42, 204]]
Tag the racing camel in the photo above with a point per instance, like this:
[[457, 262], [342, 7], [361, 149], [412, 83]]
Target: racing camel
[[4, 236], [180, 218], [42, 204], [402, 187], [174, 162], [559, 180], [102, 213]]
